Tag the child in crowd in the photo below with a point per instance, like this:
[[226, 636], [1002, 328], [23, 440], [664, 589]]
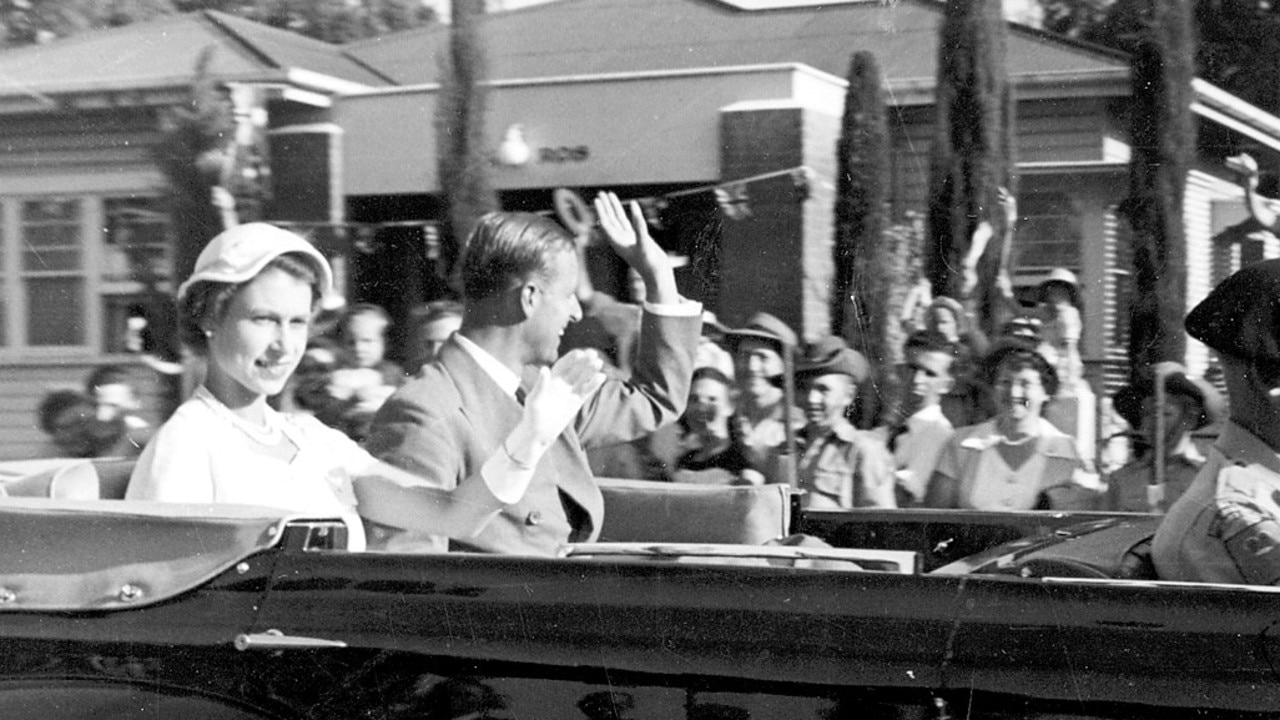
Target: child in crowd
[[1153, 482], [364, 378], [839, 466], [118, 429], [433, 324], [711, 453], [65, 416]]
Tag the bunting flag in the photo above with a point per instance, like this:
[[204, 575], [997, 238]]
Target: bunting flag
[[431, 242], [732, 197], [734, 201], [652, 208], [364, 240], [800, 179]]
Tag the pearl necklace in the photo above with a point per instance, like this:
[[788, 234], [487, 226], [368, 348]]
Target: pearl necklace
[[268, 434]]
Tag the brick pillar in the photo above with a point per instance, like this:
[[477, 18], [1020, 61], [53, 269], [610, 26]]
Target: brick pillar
[[778, 259]]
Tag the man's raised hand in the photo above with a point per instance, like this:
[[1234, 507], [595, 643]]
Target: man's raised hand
[[631, 241]]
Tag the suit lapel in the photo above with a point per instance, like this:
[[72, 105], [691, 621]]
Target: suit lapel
[[492, 415]]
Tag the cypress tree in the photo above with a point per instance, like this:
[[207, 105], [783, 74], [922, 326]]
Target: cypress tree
[[1163, 136], [460, 128], [972, 151], [189, 155], [862, 184], [192, 134]]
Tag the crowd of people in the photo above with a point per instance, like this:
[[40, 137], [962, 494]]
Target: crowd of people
[[492, 437], [103, 419]]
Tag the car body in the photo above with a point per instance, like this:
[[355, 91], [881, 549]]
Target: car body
[[140, 610]]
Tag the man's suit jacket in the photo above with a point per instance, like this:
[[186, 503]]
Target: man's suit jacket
[[444, 424]]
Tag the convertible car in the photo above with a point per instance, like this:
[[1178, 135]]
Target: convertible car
[[689, 608]]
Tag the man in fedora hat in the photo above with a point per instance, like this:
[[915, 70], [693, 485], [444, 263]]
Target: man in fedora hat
[[1226, 527], [1163, 473], [841, 467], [761, 420]]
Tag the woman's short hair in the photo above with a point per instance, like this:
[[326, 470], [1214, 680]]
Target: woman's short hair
[[58, 402], [359, 309], [1016, 355], [206, 300], [929, 341], [505, 248]]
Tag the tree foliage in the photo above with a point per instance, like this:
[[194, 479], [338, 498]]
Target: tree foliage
[[1163, 136], [460, 123], [862, 189], [192, 131], [972, 152], [335, 21], [24, 22], [1239, 40]]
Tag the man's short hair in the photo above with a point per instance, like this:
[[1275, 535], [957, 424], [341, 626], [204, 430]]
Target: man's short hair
[[929, 341], [56, 403], [505, 248], [370, 309], [106, 375], [436, 310]]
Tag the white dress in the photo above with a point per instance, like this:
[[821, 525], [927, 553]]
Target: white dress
[[200, 456]]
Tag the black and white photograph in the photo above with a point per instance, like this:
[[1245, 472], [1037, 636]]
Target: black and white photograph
[[639, 359]]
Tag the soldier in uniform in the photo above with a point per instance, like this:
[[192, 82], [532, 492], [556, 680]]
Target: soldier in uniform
[[1152, 482], [1226, 526], [840, 466]]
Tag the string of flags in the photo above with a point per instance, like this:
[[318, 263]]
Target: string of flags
[[733, 198]]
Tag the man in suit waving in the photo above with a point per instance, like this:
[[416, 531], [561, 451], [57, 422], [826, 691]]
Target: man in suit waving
[[463, 415]]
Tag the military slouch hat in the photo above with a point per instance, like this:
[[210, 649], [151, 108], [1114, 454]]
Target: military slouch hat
[[830, 355], [1241, 316]]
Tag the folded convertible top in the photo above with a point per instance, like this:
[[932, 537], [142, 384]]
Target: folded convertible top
[[69, 555]]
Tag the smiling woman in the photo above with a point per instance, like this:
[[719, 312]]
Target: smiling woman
[[247, 308], [1017, 460]]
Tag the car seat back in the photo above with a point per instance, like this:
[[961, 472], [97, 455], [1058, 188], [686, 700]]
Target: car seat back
[[100, 479], [649, 511]]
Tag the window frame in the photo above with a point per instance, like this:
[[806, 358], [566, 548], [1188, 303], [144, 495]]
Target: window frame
[[97, 287]]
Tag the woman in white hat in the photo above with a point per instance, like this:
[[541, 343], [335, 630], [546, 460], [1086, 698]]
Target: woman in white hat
[[247, 308]]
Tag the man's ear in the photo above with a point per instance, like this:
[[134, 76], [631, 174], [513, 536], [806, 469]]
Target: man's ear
[[529, 299]]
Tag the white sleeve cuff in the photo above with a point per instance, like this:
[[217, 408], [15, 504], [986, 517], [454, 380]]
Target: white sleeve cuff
[[506, 480], [684, 308]]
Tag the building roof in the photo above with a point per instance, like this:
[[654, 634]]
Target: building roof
[[586, 37], [163, 53]]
